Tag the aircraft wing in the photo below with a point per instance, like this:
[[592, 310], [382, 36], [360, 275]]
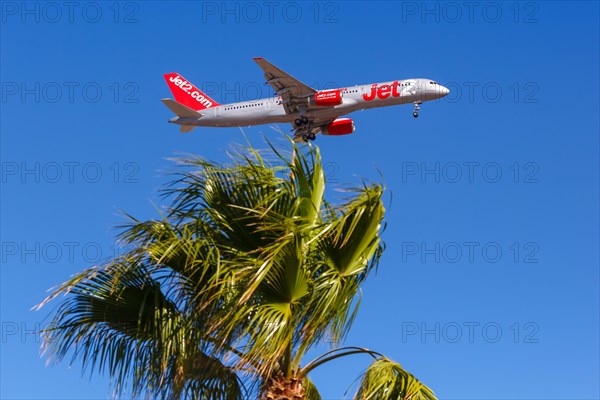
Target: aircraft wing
[[285, 85]]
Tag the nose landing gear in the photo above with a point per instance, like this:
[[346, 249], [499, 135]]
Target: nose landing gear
[[416, 109]]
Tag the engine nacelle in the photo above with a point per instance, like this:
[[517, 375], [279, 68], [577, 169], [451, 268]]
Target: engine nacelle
[[340, 126], [326, 98]]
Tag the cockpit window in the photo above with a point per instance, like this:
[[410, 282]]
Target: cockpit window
[[433, 83]]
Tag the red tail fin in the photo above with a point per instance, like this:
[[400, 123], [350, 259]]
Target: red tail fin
[[188, 94]]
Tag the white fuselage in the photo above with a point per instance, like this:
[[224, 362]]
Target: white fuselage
[[271, 110]]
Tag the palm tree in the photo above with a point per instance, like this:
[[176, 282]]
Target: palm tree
[[222, 297]]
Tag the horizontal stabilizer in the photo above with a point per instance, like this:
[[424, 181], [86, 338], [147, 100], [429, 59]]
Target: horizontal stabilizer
[[186, 128], [180, 110]]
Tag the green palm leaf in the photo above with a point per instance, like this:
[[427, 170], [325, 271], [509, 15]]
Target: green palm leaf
[[387, 380], [248, 269]]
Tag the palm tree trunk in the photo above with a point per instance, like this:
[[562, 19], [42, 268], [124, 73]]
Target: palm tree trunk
[[281, 388]]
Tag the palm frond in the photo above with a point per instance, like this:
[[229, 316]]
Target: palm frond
[[387, 380], [118, 320], [311, 391], [335, 297], [248, 269]]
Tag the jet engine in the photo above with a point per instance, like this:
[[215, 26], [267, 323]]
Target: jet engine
[[326, 98], [340, 126]]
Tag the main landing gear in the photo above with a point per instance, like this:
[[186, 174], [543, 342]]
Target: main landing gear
[[309, 136], [416, 109], [304, 124], [301, 121]]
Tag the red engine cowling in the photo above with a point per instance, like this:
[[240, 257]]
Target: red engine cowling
[[327, 98], [340, 126]]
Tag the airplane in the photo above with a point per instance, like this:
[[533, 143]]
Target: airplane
[[309, 111]]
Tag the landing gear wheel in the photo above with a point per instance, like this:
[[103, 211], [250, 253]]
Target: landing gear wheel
[[299, 121], [304, 120], [305, 137], [312, 136], [416, 109]]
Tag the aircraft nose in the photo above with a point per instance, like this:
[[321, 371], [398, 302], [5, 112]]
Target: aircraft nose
[[444, 90]]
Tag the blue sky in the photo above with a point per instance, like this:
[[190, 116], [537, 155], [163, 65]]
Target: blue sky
[[489, 287]]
